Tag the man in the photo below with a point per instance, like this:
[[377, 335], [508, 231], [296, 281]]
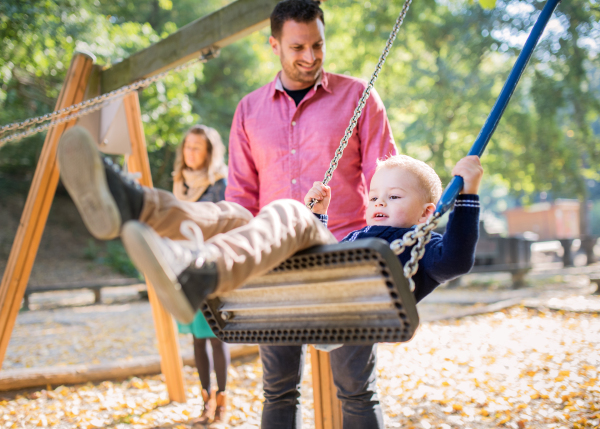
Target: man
[[283, 138]]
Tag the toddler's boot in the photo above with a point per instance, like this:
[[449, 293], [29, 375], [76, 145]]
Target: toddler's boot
[[181, 272], [105, 197]]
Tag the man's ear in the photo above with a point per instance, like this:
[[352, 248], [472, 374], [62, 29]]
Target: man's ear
[[428, 210], [274, 45]]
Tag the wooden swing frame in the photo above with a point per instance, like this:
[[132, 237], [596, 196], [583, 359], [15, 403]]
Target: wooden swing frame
[[85, 80]]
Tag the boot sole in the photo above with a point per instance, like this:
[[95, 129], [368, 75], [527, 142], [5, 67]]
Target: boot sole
[[82, 173], [140, 241]]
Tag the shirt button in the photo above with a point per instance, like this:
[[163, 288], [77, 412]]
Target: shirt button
[[293, 151], [294, 181], [293, 123]]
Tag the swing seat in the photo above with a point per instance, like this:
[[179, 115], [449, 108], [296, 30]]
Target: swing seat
[[351, 293]]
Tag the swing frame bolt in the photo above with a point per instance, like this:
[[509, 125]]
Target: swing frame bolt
[[225, 315]]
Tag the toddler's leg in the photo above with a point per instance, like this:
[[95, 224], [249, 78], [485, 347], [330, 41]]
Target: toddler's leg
[[279, 230], [185, 273], [106, 198], [164, 213]]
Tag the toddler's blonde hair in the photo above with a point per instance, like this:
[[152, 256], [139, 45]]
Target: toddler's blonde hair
[[429, 180]]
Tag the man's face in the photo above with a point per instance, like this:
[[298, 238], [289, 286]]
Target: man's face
[[301, 50], [396, 199]]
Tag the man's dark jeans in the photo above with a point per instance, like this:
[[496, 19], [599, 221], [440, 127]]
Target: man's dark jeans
[[354, 375]]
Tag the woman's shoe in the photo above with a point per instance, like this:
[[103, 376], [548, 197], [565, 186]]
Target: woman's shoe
[[221, 410], [208, 413]]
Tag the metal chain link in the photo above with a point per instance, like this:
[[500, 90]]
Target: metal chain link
[[363, 99], [421, 236], [91, 105], [41, 128]]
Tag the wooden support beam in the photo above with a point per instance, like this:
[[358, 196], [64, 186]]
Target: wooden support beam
[[216, 30], [328, 408], [166, 332], [37, 206]]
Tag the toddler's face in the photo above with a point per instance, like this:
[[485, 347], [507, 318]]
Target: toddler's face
[[396, 199]]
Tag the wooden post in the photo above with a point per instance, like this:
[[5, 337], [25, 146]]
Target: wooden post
[[168, 344], [37, 206], [328, 408]]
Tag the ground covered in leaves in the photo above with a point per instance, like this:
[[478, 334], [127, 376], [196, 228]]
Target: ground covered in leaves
[[517, 368]]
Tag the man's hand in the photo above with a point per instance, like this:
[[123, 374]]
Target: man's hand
[[470, 169], [321, 193]]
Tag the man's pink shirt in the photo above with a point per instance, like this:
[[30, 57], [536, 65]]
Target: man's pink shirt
[[277, 150]]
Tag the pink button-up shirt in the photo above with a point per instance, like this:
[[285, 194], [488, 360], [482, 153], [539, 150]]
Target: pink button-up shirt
[[277, 150]]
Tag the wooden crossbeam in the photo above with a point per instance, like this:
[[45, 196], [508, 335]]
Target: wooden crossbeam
[[216, 30], [37, 206]]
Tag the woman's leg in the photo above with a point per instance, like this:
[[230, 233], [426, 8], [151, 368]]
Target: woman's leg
[[221, 359], [165, 213], [204, 362]]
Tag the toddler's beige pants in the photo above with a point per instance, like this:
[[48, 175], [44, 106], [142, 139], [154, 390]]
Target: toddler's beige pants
[[244, 246]]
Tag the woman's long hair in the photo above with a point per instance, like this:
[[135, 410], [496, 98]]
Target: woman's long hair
[[215, 153]]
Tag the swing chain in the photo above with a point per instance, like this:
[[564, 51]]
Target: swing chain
[[92, 104], [363, 99], [44, 127], [421, 235]]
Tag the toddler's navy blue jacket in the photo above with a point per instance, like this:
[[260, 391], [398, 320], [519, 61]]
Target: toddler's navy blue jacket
[[446, 256]]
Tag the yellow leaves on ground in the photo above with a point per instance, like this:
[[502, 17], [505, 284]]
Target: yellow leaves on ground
[[516, 369], [520, 369]]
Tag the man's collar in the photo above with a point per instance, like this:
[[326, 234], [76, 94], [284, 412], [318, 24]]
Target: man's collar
[[322, 80]]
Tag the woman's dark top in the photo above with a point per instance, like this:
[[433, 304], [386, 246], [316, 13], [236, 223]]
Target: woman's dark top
[[214, 193]]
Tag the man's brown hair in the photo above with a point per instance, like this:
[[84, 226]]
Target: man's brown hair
[[295, 10]]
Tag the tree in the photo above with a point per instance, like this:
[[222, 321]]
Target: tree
[[447, 67], [439, 83]]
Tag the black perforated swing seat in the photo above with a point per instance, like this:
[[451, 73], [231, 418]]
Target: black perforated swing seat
[[351, 293]]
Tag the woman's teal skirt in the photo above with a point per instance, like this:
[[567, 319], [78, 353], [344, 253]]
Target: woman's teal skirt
[[199, 328]]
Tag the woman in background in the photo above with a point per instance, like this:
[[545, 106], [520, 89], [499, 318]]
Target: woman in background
[[200, 175]]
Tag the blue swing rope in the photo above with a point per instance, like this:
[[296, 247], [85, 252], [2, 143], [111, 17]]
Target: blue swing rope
[[456, 184], [421, 235]]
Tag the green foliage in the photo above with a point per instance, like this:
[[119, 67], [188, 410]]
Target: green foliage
[[559, 100], [117, 258], [111, 254], [446, 69], [440, 78], [487, 4], [595, 217], [92, 251], [440, 81]]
